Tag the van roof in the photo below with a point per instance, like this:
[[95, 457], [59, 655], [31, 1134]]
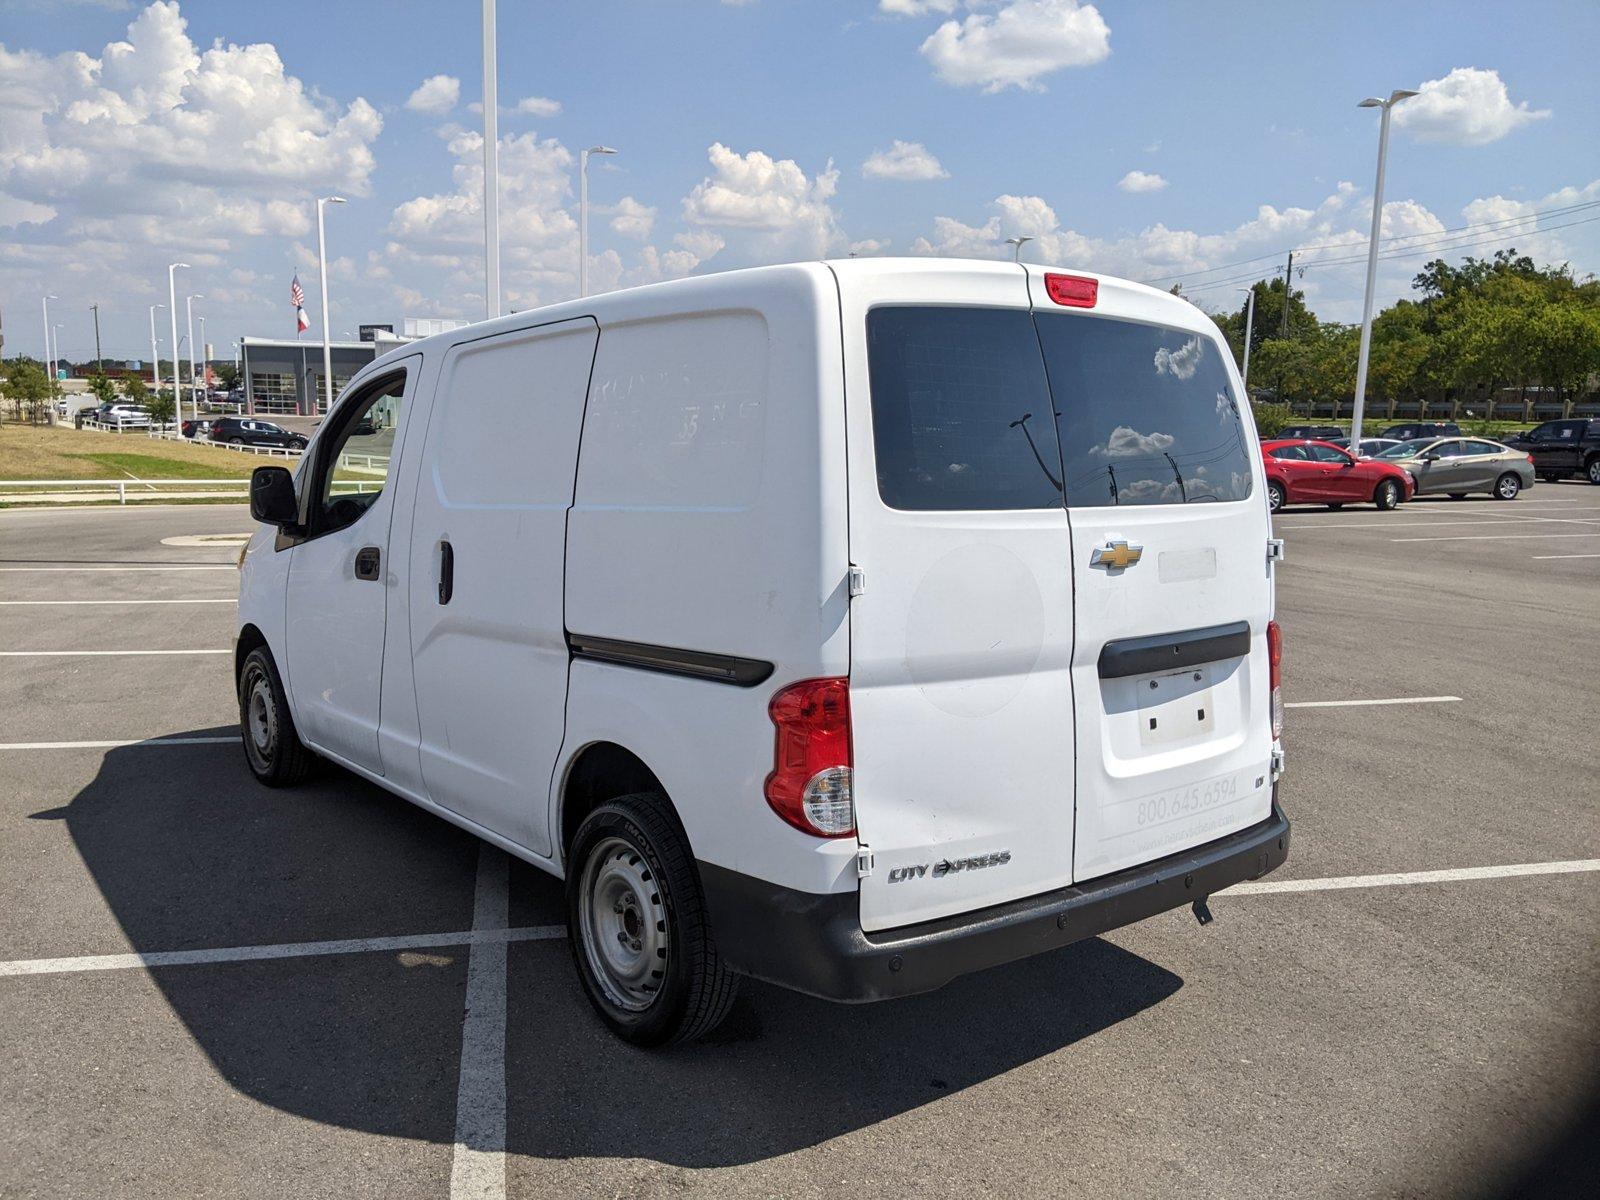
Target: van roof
[[1117, 296]]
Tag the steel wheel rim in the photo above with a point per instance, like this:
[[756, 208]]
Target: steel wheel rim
[[1508, 487], [1275, 498], [622, 925], [1389, 500], [260, 718], [1594, 471]]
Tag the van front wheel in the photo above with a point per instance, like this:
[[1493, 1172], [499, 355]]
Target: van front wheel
[[277, 756], [637, 925]]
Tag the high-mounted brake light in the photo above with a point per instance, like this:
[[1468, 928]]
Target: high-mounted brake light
[[810, 784], [1072, 290], [1275, 676]]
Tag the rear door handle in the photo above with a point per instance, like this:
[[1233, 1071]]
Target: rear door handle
[[447, 572], [368, 559]]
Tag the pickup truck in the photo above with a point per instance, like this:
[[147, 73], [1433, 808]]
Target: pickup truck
[[1562, 448]]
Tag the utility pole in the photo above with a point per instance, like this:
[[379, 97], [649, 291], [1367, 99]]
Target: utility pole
[[491, 165], [1288, 270], [99, 363], [1249, 329]]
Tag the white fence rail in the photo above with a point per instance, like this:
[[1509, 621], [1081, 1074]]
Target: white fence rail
[[150, 489]]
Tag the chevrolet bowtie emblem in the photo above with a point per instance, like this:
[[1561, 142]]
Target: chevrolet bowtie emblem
[[1116, 556]]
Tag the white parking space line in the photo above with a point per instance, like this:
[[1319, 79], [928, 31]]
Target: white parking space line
[[478, 1166], [230, 954], [57, 603], [1440, 524], [1493, 537], [143, 742], [130, 569], [1548, 557], [1367, 703], [97, 653], [1454, 875]]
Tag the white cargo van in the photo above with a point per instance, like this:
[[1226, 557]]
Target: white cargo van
[[851, 625]]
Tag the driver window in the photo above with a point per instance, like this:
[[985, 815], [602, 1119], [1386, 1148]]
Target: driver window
[[1328, 454], [355, 468]]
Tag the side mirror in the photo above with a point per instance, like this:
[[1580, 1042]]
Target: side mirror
[[1430, 456], [272, 498]]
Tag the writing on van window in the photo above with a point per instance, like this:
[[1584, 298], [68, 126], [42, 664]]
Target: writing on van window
[[1146, 413]]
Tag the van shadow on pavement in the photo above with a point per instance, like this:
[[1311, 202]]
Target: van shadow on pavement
[[190, 852]]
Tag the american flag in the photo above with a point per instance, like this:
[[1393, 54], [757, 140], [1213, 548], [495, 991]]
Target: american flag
[[297, 297]]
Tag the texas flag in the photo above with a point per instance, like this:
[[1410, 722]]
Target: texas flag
[[297, 297]]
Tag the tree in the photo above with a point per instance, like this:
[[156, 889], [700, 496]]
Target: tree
[[28, 389], [104, 390], [161, 406], [227, 377], [135, 390]]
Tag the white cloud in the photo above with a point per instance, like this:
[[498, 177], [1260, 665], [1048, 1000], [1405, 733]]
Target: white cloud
[[436, 94], [770, 200], [909, 161], [1180, 363], [539, 106], [916, 8], [1141, 181], [630, 218], [1469, 107], [1015, 46], [1127, 442], [867, 247]]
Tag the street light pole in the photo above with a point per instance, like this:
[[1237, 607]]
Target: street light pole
[[1249, 331], [55, 353], [583, 215], [491, 165], [155, 352], [172, 314], [322, 273], [205, 361], [99, 363], [194, 395], [49, 358], [1372, 260]]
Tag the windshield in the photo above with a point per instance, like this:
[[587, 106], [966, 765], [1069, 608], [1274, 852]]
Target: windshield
[[1407, 449]]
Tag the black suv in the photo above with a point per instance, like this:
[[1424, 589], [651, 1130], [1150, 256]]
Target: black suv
[[1562, 448], [1421, 429], [1315, 433], [247, 431]]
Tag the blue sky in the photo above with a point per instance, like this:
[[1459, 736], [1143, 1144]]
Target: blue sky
[[1148, 139]]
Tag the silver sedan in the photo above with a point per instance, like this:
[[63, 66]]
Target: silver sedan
[[1457, 466]]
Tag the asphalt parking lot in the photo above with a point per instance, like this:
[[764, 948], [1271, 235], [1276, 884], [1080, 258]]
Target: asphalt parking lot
[[167, 1030]]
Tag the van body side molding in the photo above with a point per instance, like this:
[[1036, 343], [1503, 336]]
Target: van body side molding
[[697, 664], [1174, 651]]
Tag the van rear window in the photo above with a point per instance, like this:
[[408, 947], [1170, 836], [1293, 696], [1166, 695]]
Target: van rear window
[[1146, 413], [962, 401], [961, 410]]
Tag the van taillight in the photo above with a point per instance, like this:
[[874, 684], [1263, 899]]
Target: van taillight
[[1072, 290], [1275, 676], [810, 782]]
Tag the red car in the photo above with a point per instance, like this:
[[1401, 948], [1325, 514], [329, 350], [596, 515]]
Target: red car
[[1305, 472]]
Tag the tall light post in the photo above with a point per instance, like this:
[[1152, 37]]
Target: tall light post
[[205, 359], [99, 363], [491, 165], [583, 215], [172, 313], [194, 395], [49, 358], [1249, 331], [322, 273], [55, 354], [1017, 242], [155, 352], [1372, 259]]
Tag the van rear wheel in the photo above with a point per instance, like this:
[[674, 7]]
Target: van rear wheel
[[638, 928], [277, 756]]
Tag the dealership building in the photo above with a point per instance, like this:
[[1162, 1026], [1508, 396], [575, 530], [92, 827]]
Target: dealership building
[[284, 376]]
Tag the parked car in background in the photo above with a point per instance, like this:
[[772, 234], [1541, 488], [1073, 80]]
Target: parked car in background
[[1369, 446], [1562, 448], [1311, 472], [1420, 429], [1456, 467], [194, 427], [248, 431], [1312, 431], [126, 416]]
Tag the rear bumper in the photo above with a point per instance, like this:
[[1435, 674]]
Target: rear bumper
[[814, 943]]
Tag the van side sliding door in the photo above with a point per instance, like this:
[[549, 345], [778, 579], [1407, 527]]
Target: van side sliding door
[[488, 541]]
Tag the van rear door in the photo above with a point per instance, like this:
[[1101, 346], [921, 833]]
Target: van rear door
[[961, 636], [1169, 567]]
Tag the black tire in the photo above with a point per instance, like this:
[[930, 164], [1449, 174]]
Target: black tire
[[1507, 486], [1458, 495], [1276, 498], [272, 747], [1336, 507], [1387, 495], [235, 441], [624, 849], [1592, 470], [1551, 476]]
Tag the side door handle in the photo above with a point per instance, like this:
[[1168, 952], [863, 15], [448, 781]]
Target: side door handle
[[447, 572], [368, 562]]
